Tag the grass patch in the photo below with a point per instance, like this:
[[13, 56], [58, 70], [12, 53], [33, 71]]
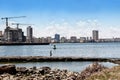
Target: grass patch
[[107, 74]]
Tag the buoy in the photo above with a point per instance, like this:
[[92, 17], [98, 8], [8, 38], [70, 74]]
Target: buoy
[[54, 47]]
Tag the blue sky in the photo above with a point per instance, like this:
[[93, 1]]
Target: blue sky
[[66, 17]]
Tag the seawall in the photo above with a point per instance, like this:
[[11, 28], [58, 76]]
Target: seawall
[[17, 44], [55, 59]]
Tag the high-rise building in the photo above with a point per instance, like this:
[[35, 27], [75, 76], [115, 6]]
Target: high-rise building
[[29, 34], [13, 35], [95, 35], [57, 38]]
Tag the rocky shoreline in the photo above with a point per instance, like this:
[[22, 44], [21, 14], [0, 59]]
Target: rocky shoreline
[[11, 72]]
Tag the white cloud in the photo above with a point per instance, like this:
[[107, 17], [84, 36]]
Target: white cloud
[[79, 28], [110, 31]]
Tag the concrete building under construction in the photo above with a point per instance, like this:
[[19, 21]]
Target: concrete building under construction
[[13, 35]]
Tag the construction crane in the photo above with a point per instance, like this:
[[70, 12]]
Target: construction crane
[[20, 24], [7, 18]]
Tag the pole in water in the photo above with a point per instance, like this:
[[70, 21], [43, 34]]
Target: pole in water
[[54, 47], [50, 53]]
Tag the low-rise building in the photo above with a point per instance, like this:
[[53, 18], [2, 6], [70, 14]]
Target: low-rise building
[[48, 39], [63, 40], [73, 39], [82, 39], [1, 33]]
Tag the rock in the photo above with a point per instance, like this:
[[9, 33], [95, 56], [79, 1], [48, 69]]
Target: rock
[[33, 70], [11, 69], [45, 70], [21, 70], [45, 73]]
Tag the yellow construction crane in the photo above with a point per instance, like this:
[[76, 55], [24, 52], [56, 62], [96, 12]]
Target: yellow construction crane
[[17, 24], [7, 18]]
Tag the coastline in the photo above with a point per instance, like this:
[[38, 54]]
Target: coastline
[[92, 72], [11, 72]]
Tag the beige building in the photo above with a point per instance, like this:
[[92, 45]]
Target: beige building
[[49, 39], [1, 33], [82, 39], [29, 34], [73, 39], [63, 40]]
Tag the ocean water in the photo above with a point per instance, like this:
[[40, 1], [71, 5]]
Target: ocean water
[[107, 50], [70, 66], [104, 50]]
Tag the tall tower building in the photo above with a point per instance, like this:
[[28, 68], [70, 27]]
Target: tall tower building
[[57, 38], [29, 34], [95, 35]]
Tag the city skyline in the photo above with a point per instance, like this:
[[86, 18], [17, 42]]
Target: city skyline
[[66, 17], [13, 35]]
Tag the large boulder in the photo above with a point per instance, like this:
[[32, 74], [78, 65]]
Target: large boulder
[[44, 70], [11, 69], [23, 70]]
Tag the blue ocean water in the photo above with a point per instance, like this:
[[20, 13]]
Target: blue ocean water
[[106, 50]]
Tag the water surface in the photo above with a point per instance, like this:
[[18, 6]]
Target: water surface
[[107, 50], [71, 66], [101, 50]]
